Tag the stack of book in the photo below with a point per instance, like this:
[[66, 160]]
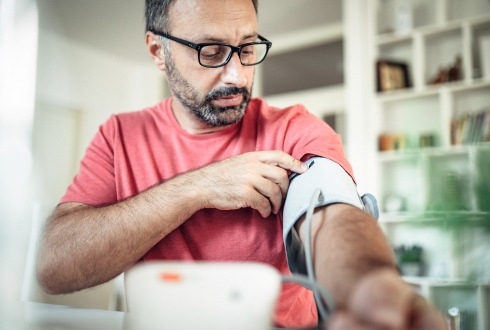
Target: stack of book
[[471, 128]]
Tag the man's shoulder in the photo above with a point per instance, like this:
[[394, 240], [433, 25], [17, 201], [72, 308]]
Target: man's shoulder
[[149, 113], [143, 120]]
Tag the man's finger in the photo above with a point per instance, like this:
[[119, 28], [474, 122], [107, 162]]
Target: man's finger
[[273, 192], [283, 160], [262, 204], [278, 176]]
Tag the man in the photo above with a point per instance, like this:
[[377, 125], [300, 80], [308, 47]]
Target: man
[[203, 176]]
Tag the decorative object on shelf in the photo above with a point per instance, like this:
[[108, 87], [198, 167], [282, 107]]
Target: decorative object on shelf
[[394, 203], [427, 140], [389, 142], [451, 192], [391, 75], [448, 74], [449, 195], [459, 319], [485, 56], [403, 17], [454, 318], [410, 259]]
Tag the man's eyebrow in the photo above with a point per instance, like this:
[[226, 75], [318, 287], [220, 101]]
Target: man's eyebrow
[[210, 38]]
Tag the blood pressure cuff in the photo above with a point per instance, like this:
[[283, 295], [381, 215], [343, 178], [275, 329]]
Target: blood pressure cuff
[[336, 186]]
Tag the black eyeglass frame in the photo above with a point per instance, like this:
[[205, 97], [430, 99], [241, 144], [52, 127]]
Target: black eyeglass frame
[[234, 49]]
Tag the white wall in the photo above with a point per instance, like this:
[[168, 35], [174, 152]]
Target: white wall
[[95, 84], [73, 89], [18, 40]]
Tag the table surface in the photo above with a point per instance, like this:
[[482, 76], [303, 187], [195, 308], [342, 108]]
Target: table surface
[[40, 316]]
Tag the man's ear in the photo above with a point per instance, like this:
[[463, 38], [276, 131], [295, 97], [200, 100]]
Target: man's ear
[[155, 48]]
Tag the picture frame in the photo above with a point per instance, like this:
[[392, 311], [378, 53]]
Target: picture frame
[[391, 75]]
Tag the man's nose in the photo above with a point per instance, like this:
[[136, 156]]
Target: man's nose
[[234, 73]]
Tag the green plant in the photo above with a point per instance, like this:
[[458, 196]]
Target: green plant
[[409, 254]]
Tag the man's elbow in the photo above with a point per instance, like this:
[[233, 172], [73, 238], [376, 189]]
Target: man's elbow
[[46, 276]]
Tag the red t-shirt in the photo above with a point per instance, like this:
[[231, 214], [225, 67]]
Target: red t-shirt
[[134, 151]]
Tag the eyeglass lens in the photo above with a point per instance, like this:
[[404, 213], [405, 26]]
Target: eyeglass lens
[[216, 55]]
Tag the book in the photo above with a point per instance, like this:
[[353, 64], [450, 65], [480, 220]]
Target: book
[[470, 128], [486, 126]]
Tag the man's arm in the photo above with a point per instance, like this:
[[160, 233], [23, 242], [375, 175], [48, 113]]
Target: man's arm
[[353, 260], [347, 244], [84, 246]]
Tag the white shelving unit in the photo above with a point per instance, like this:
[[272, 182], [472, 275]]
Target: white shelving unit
[[313, 44], [436, 194]]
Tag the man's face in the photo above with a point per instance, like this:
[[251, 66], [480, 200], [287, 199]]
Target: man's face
[[216, 96]]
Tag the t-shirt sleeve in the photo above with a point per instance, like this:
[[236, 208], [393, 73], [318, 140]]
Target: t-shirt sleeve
[[95, 182], [309, 136]]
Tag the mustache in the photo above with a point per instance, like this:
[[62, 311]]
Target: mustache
[[227, 91]]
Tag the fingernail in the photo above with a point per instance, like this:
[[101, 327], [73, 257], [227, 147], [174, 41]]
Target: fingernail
[[304, 166]]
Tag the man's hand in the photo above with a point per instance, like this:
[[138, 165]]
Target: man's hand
[[354, 260], [381, 300], [257, 179]]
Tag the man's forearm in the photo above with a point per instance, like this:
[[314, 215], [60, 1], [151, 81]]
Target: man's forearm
[[348, 244], [84, 246]]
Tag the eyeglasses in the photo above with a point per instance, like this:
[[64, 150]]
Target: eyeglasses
[[217, 54]]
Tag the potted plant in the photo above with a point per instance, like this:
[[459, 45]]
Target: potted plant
[[410, 259]]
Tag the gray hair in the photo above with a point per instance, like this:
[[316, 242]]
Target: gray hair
[[156, 14]]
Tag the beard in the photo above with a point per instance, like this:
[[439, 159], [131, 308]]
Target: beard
[[202, 107]]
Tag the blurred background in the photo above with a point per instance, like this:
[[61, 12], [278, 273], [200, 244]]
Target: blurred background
[[405, 82]]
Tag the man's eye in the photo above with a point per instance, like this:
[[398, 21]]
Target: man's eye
[[213, 52], [247, 51], [209, 56]]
